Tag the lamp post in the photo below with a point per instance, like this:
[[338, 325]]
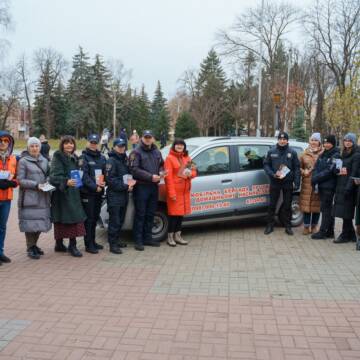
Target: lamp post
[[287, 91], [258, 134]]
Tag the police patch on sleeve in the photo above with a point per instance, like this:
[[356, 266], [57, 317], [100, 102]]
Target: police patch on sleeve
[[108, 167], [81, 162], [132, 157], [289, 155]]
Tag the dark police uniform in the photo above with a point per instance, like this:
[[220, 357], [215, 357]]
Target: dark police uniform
[[89, 162], [117, 196], [324, 176], [144, 163], [279, 156]]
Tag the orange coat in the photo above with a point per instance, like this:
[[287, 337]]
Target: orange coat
[[177, 186], [9, 165]]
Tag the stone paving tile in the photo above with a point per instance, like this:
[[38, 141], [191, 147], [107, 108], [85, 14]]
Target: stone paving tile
[[231, 294], [9, 329]]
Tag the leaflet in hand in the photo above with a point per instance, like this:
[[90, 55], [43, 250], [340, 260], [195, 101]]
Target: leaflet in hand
[[47, 187], [99, 177], [4, 175], [283, 171], [356, 180], [129, 180], [338, 164], [76, 175]]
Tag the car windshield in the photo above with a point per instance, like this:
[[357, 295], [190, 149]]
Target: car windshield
[[165, 151]]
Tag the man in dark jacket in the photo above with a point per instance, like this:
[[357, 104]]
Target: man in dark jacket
[[123, 135], [117, 193], [92, 163], [45, 147], [324, 178], [145, 164], [283, 168]]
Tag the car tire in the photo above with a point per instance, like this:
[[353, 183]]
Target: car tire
[[297, 216], [161, 224]]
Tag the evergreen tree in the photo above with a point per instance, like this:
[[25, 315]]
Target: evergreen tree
[[142, 111], [298, 130], [160, 117], [60, 108], [209, 105], [80, 91], [186, 126], [101, 94]]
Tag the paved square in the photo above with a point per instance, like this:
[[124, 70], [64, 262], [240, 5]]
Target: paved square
[[232, 293]]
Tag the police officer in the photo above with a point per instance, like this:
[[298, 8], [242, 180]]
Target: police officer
[[324, 178], [117, 193], [146, 163], [92, 163], [283, 168]]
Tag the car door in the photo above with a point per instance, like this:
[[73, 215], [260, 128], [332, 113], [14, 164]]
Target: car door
[[216, 174], [252, 183]]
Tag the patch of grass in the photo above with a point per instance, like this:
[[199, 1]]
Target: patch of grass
[[54, 144]]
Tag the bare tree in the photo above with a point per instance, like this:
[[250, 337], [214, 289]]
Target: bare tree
[[11, 89], [334, 29], [120, 81], [255, 27], [51, 66], [24, 74], [250, 29], [5, 23]]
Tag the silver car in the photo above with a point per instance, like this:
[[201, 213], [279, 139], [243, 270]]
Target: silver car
[[231, 183]]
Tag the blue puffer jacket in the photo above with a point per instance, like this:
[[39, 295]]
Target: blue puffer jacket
[[324, 173]]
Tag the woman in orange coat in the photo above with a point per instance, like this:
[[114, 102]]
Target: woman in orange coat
[[180, 170]]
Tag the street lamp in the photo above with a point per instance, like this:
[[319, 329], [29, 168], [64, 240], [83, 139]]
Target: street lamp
[[260, 71], [287, 91]]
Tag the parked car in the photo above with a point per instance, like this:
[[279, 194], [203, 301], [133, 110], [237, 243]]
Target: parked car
[[231, 183]]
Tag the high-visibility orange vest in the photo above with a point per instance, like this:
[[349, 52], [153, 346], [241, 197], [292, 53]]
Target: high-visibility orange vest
[[9, 165]]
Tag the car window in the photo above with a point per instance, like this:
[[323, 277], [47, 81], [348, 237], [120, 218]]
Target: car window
[[165, 151], [298, 150], [251, 157], [213, 161]]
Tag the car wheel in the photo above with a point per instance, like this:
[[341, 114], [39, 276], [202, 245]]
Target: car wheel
[[296, 214], [161, 224]]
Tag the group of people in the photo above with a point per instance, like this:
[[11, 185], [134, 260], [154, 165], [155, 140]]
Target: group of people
[[329, 180], [67, 192]]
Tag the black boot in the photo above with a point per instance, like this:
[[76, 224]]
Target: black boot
[[32, 253], [289, 231], [4, 259], [269, 229], [330, 234], [73, 250], [91, 248], [319, 236], [39, 250], [60, 247], [115, 249], [98, 246], [122, 244], [342, 238], [358, 244]]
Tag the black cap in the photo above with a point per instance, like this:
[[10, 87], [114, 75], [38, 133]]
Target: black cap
[[283, 135], [147, 133], [94, 138], [119, 142], [331, 139]]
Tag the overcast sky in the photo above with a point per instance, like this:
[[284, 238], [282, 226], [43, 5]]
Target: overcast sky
[[157, 39]]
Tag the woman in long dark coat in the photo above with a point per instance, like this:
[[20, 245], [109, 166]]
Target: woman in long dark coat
[[345, 195], [66, 208]]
